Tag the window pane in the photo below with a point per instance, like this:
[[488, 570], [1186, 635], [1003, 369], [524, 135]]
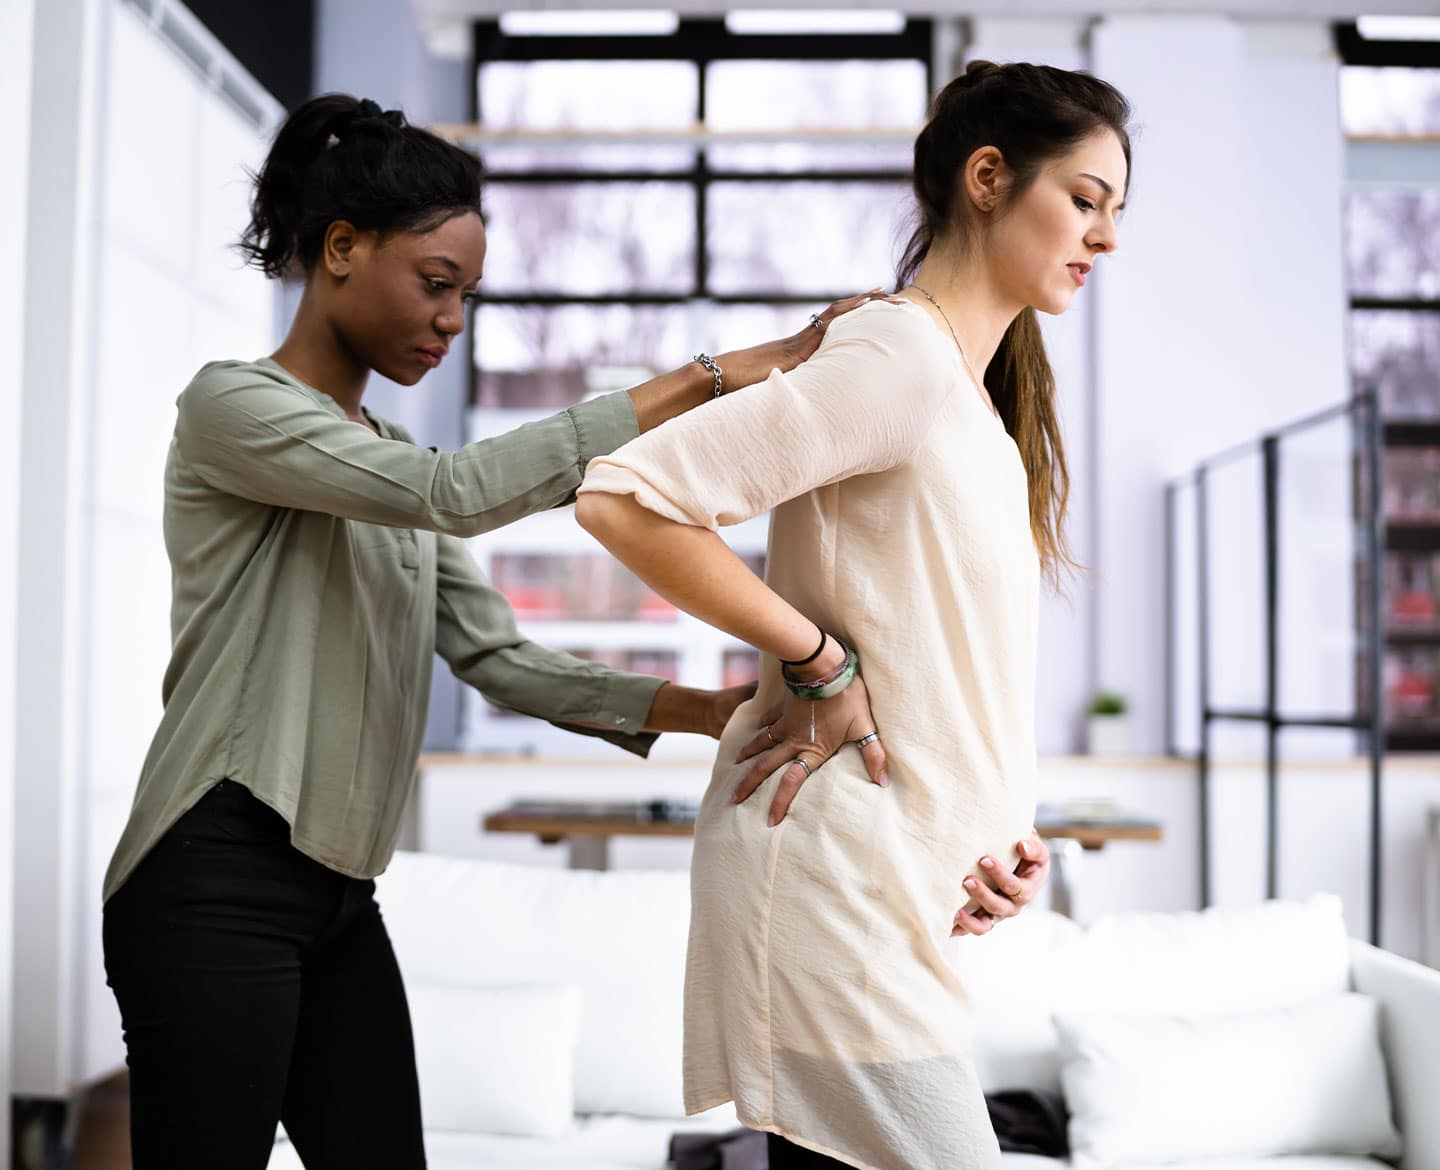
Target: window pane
[[1389, 100], [1398, 355], [1392, 242], [739, 326], [575, 587], [814, 95], [590, 238], [589, 96], [739, 667], [550, 359], [661, 663], [805, 237]]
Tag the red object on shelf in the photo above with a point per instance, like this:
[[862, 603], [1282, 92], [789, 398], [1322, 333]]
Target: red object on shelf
[[654, 608], [537, 602], [1413, 693], [1413, 607]]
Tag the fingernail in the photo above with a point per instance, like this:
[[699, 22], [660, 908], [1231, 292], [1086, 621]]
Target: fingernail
[[1025, 848], [772, 822], [988, 862], [970, 883], [884, 779]]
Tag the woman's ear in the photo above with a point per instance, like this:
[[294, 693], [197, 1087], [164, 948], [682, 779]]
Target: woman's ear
[[340, 239], [985, 177]]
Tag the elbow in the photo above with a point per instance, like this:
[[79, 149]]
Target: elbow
[[594, 512]]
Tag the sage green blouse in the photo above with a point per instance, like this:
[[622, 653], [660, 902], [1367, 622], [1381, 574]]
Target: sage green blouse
[[316, 567]]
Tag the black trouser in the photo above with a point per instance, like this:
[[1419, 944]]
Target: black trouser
[[256, 985], [788, 1156]]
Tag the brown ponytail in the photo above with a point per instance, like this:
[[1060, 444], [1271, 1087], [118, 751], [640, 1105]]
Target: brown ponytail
[[1031, 114]]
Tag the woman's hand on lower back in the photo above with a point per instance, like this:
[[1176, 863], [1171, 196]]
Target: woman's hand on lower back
[[787, 736]]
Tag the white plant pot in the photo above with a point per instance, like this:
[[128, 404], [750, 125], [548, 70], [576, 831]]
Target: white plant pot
[[1108, 735]]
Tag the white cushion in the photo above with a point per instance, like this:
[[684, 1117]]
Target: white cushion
[[496, 1059], [1221, 960], [1015, 976], [1308, 1079], [1209, 962], [620, 937]]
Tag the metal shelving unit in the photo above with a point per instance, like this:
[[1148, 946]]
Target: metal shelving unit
[[1367, 717]]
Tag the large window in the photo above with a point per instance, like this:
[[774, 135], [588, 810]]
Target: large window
[[649, 197]]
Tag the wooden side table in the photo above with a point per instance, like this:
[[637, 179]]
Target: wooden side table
[[587, 829]]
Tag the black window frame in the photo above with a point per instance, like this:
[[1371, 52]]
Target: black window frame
[[701, 41], [1353, 49]]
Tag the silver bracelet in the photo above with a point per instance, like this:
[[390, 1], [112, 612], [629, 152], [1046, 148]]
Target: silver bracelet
[[710, 364]]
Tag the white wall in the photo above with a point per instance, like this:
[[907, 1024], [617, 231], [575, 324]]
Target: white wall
[[1223, 313], [16, 41], [137, 191]]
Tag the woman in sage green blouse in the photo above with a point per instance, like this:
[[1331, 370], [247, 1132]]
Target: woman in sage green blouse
[[318, 564]]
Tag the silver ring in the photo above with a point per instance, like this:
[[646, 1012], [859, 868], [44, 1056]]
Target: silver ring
[[815, 321], [867, 740], [809, 771], [770, 735]]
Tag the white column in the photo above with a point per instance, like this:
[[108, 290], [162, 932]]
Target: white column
[[54, 466], [1067, 669], [16, 45], [1222, 314]]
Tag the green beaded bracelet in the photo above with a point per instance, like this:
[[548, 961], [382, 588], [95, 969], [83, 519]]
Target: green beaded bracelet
[[827, 689]]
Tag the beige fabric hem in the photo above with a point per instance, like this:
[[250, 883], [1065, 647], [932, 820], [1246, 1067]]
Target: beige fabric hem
[[771, 1127]]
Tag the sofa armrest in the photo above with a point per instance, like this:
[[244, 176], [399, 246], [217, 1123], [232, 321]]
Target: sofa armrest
[[1409, 997]]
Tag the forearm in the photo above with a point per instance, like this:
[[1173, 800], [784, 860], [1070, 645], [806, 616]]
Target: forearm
[[678, 708], [696, 571], [670, 395]]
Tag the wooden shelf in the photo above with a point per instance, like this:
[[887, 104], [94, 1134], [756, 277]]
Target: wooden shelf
[[1413, 737], [1411, 536], [1420, 636], [1417, 433]]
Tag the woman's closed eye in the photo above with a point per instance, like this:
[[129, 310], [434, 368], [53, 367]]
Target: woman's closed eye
[[437, 285], [1082, 203]]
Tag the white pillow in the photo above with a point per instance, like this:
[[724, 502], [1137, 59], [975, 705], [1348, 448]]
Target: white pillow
[[618, 935], [1307, 1079], [1218, 961], [496, 1059]]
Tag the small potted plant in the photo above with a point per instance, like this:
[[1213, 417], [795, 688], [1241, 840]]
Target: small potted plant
[[1107, 725]]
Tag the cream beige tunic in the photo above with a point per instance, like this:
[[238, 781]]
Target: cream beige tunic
[[819, 996]]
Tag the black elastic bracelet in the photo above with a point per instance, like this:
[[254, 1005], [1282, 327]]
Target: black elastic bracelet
[[818, 649]]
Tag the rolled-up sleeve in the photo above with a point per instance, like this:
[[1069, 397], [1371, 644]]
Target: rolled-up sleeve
[[271, 442], [861, 405], [475, 632]]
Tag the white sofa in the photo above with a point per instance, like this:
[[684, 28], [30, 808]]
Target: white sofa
[[547, 1010]]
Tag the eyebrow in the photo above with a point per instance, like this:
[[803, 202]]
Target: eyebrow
[[450, 264], [1103, 185]]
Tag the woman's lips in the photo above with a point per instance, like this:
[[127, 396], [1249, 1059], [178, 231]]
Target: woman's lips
[[1078, 272], [429, 358]]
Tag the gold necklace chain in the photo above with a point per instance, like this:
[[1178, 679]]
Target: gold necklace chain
[[979, 385]]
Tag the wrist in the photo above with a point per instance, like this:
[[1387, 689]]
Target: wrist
[[677, 708], [826, 663]]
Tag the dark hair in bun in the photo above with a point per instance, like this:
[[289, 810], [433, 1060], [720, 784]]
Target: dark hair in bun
[[338, 157]]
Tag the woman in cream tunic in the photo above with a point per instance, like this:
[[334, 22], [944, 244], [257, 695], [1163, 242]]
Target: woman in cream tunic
[[911, 522]]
